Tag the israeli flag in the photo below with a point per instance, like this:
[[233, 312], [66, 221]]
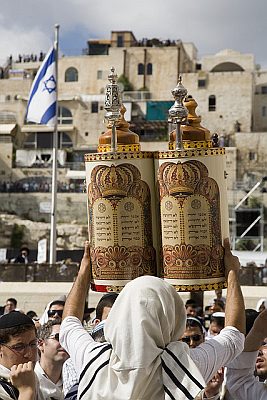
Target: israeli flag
[[42, 100]]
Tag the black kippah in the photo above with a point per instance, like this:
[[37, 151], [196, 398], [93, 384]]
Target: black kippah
[[14, 318]]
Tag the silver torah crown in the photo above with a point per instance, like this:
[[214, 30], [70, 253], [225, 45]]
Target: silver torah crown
[[112, 98], [178, 112]]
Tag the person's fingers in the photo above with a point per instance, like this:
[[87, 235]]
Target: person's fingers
[[29, 366], [86, 248], [13, 368], [226, 244]]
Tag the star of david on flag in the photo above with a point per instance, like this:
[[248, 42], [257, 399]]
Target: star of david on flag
[[42, 100]]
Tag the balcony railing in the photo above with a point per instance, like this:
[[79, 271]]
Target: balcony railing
[[136, 96], [38, 272], [251, 275]]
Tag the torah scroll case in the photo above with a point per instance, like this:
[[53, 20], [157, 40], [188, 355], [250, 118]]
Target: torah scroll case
[[121, 203], [191, 179]]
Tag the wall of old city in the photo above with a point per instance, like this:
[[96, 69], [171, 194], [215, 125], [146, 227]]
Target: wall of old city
[[233, 99], [71, 207]]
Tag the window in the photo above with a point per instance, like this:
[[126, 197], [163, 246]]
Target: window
[[149, 69], [201, 83], [198, 67], [252, 156], [64, 116], [141, 69], [212, 103], [94, 107], [264, 90], [71, 75], [30, 142], [99, 74], [263, 111], [120, 41], [44, 140], [64, 140]]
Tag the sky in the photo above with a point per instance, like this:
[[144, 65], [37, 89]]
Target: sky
[[27, 26]]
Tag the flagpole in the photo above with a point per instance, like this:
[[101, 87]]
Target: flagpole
[[53, 228]]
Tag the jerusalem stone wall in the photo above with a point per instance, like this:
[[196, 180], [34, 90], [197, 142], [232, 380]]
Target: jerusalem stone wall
[[70, 236]]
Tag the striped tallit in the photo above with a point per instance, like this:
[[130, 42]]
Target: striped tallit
[[142, 358]]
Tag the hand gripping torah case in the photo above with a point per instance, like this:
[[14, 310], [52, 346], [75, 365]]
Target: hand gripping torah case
[[121, 203], [191, 182]]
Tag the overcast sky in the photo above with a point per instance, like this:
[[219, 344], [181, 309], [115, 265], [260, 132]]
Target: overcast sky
[[27, 26]]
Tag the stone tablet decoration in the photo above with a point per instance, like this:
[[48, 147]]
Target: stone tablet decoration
[[121, 203]]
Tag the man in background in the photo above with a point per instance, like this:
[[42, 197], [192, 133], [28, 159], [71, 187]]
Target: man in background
[[52, 357], [10, 305], [23, 256], [18, 355], [240, 380]]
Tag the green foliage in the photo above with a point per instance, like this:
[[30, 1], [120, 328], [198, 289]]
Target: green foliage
[[128, 87], [254, 202], [17, 236]]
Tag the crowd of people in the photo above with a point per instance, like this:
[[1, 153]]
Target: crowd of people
[[32, 186], [141, 344]]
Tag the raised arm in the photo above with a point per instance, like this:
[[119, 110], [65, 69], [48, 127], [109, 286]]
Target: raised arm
[[235, 308], [215, 353], [74, 305], [257, 333], [240, 379]]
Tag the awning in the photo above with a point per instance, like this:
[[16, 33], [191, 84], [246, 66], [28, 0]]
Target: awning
[[46, 128], [6, 128], [72, 174]]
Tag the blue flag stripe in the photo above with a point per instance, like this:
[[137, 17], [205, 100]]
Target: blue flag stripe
[[51, 59], [50, 113]]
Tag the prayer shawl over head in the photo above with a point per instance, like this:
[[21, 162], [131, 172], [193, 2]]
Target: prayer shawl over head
[[142, 359]]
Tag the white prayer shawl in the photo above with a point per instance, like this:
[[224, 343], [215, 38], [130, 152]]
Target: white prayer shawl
[[143, 359]]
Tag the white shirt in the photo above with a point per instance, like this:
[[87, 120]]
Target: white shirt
[[218, 351], [240, 379], [48, 388], [208, 357]]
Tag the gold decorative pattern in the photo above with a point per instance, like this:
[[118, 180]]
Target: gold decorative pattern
[[104, 148], [197, 288], [191, 144], [114, 289], [188, 153], [117, 156]]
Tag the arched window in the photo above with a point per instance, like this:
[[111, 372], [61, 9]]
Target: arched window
[[71, 75], [65, 140], [212, 102], [149, 69], [227, 67], [64, 116], [141, 69]]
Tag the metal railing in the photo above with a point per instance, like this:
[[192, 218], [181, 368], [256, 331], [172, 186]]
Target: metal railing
[[38, 272], [250, 275]]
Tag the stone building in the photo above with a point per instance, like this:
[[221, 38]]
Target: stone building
[[231, 94]]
